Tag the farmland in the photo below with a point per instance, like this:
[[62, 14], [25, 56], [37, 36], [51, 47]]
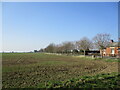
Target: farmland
[[41, 70]]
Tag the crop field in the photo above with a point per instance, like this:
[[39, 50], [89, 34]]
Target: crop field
[[41, 70]]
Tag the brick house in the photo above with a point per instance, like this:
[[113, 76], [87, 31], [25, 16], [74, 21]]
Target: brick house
[[113, 49]]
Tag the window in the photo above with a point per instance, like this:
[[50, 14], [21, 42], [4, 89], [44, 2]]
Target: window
[[112, 51]]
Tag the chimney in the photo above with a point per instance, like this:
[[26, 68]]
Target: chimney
[[111, 41]]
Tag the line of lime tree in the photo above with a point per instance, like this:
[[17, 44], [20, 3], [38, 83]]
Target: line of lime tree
[[98, 42]]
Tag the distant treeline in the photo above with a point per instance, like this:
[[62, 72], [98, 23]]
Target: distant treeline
[[82, 46]]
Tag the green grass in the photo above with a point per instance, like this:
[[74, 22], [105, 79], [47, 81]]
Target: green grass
[[103, 59], [98, 81], [38, 70], [112, 60]]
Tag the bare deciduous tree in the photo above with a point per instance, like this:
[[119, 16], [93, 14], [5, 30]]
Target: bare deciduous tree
[[84, 44], [67, 46], [50, 48], [101, 41]]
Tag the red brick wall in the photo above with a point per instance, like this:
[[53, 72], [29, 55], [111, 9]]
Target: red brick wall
[[108, 51]]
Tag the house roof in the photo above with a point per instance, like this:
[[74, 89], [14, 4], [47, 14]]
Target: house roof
[[114, 44]]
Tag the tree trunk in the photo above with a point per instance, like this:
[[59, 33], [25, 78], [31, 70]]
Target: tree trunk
[[101, 53], [84, 52]]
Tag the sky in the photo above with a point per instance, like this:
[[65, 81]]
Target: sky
[[29, 26]]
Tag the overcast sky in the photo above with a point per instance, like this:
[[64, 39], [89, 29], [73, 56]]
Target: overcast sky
[[29, 26]]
